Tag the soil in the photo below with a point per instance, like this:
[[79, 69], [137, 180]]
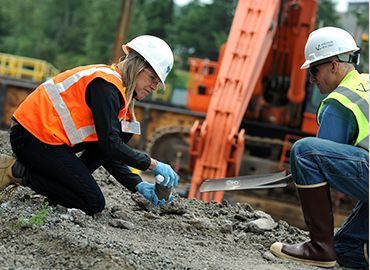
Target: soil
[[132, 234]]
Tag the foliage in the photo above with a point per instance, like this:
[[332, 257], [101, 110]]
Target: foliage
[[36, 219], [70, 33], [65, 33], [194, 33], [362, 16], [326, 14], [100, 31], [155, 15], [182, 78]]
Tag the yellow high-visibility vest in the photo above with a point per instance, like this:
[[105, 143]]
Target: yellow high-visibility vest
[[353, 93]]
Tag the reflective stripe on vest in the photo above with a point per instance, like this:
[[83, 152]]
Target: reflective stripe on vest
[[356, 99], [54, 90]]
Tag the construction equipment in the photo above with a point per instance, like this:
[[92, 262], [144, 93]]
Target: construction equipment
[[256, 85], [19, 76], [259, 74], [264, 71], [21, 67]]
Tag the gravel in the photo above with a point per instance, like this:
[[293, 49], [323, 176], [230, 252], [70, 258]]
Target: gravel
[[131, 234]]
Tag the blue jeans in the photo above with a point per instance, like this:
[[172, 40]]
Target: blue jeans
[[346, 169]]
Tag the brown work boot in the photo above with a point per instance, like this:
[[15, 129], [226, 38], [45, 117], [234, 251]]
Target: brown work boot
[[318, 215], [6, 174]]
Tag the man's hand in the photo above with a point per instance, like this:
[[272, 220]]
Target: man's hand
[[147, 190], [170, 177]]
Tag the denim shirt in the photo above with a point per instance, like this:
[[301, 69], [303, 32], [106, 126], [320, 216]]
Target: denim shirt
[[338, 124]]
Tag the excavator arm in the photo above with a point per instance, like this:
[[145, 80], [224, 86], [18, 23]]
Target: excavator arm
[[217, 145]]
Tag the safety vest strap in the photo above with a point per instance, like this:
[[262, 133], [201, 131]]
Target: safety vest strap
[[355, 98], [354, 95], [359, 108], [54, 92]]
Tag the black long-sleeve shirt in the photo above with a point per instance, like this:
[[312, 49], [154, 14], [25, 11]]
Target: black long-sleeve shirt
[[104, 100]]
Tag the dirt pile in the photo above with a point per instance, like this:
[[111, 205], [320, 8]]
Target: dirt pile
[[131, 234]]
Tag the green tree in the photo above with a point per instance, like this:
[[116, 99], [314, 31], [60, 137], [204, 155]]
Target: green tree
[[64, 29], [66, 33], [362, 35], [101, 30], [200, 28], [326, 14], [157, 14]]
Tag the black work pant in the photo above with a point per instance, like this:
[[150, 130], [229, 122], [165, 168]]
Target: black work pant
[[56, 172]]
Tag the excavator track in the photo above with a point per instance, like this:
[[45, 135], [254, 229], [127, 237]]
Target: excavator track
[[171, 145]]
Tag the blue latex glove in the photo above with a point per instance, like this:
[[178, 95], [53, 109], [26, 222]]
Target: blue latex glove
[[147, 190], [170, 177]]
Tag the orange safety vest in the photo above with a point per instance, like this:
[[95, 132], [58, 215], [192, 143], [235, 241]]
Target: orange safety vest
[[56, 112]]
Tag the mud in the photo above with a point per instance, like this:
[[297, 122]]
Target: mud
[[131, 234]]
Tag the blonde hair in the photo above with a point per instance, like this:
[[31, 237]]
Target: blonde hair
[[130, 66]]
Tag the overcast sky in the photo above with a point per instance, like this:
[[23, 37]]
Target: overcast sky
[[341, 4]]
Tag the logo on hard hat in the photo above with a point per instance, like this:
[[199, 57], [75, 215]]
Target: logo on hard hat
[[151, 45], [324, 45], [168, 69]]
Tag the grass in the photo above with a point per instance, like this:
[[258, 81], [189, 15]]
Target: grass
[[36, 219]]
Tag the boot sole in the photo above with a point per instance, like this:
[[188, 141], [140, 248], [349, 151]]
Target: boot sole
[[276, 250]]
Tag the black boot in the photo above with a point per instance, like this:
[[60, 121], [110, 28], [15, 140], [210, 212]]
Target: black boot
[[318, 215]]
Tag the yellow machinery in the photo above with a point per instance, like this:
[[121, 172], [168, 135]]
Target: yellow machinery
[[19, 76], [21, 67]]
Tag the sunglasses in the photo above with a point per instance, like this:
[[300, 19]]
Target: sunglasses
[[314, 70], [154, 79]]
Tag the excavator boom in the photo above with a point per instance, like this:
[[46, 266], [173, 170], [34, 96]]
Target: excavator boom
[[217, 145]]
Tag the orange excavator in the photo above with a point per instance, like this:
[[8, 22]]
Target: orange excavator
[[257, 77]]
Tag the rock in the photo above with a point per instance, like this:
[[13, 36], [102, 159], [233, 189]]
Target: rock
[[261, 214], [240, 237], [122, 224], [223, 212], [121, 214], [4, 205], [78, 216], [132, 234], [226, 228], [201, 224], [240, 217], [66, 217], [267, 255], [246, 206], [261, 224], [61, 209], [173, 209], [150, 215]]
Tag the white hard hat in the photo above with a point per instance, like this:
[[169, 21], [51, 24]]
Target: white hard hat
[[155, 51], [327, 42]]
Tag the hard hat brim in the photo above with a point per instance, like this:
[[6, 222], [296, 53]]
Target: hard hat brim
[[306, 65], [125, 49]]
